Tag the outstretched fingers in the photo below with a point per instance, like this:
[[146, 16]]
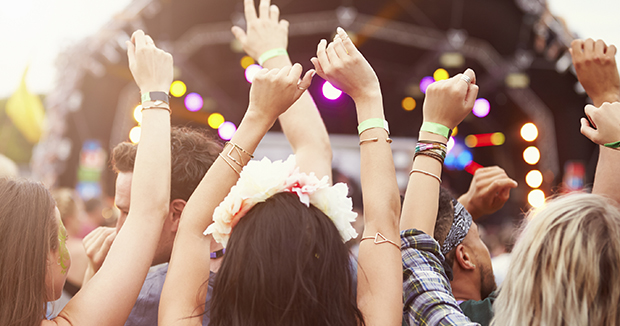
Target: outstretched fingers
[[250, 11], [263, 9], [239, 34], [274, 13], [346, 41]]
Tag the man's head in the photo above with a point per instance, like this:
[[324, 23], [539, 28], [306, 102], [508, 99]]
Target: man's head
[[192, 154], [467, 258]]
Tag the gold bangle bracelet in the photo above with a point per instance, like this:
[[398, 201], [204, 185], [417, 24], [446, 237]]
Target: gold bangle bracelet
[[379, 239], [229, 164], [426, 173]]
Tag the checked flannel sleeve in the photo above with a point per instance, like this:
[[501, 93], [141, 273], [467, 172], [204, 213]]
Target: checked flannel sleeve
[[427, 294]]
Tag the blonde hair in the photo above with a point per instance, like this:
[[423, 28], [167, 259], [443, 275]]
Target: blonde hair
[[564, 266]]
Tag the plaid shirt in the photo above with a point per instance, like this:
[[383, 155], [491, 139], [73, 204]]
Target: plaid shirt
[[427, 294]]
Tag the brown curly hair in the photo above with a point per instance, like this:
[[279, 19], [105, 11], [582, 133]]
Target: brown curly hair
[[193, 152]]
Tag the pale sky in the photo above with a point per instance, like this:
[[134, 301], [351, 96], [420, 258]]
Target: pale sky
[[35, 31]]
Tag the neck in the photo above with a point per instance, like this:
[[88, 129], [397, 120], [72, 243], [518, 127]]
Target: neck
[[465, 287]]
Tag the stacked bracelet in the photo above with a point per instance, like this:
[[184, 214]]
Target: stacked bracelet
[[230, 159], [271, 54], [373, 123], [436, 128], [435, 150]]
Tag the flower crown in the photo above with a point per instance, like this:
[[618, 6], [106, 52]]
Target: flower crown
[[260, 180]]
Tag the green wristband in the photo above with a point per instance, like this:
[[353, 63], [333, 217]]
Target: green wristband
[[271, 54], [373, 123], [615, 145], [436, 128]]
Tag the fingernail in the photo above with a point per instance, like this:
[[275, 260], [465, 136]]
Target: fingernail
[[340, 30], [469, 69]]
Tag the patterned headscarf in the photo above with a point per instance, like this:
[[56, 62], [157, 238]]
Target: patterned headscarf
[[459, 229], [456, 235]]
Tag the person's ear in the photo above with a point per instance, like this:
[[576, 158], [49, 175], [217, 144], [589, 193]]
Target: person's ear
[[463, 258], [176, 208]]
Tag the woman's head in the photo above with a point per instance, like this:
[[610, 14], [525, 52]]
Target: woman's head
[[285, 264], [564, 266], [33, 260]]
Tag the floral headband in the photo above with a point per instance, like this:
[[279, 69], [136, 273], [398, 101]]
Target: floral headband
[[260, 180]]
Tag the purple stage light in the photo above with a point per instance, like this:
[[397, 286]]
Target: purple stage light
[[193, 102], [227, 130], [425, 82], [330, 92], [481, 108], [250, 71]]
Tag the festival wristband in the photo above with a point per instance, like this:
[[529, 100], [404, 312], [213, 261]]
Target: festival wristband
[[373, 123], [615, 145], [436, 128], [155, 96], [271, 54]]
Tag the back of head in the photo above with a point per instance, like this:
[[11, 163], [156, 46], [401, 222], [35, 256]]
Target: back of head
[[285, 264], [564, 266], [192, 153], [28, 231], [445, 215]]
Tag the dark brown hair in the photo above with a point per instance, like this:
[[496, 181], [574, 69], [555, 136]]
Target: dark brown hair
[[193, 152], [285, 264], [445, 218], [28, 232]]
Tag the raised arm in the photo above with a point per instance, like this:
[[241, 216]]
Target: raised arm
[[183, 296], [447, 103], [427, 295], [488, 192], [266, 39], [379, 292], [597, 71], [109, 297]]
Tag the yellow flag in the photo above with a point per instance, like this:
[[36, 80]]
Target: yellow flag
[[26, 111]]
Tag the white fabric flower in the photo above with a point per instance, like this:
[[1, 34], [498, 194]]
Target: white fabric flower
[[262, 179]]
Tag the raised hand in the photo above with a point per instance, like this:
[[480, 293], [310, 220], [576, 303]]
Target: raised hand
[[152, 68], [449, 101], [596, 68], [274, 91], [343, 65], [488, 192], [265, 31], [606, 123], [97, 244]]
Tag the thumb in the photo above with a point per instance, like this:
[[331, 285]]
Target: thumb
[[239, 34], [304, 83], [472, 94], [318, 68], [587, 130], [131, 52]]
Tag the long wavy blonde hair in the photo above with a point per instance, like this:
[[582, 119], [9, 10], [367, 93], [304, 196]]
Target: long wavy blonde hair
[[565, 266]]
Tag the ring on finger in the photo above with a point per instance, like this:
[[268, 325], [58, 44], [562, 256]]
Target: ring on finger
[[466, 79]]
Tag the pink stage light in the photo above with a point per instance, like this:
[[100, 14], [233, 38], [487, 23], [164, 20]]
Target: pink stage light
[[250, 71], [227, 130], [193, 102], [481, 108], [330, 92], [425, 82]]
